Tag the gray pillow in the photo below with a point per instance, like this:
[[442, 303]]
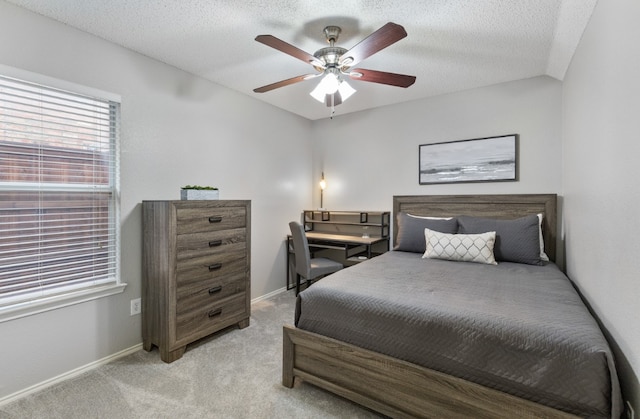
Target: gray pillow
[[410, 237], [516, 240]]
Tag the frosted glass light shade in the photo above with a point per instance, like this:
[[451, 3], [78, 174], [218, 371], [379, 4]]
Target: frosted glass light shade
[[346, 90]]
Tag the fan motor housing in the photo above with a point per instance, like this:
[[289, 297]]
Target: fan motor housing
[[330, 55]]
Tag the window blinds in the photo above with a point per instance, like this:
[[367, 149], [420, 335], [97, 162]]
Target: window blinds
[[58, 191]]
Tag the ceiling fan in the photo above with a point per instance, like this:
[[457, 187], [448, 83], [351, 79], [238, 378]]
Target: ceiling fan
[[334, 62]]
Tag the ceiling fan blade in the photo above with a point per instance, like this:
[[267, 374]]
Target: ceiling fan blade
[[283, 83], [380, 39], [392, 79], [289, 49]]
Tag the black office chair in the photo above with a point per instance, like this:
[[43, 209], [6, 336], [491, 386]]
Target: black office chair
[[307, 267]]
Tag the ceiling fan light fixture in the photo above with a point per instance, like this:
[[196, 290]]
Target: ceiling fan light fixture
[[327, 86]]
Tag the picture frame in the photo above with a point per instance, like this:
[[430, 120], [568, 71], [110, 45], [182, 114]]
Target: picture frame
[[489, 159]]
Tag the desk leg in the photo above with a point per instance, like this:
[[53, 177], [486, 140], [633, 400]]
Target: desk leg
[[289, 281], [286, 283]]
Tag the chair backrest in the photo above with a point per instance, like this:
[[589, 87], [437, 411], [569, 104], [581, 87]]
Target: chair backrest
[[301, 249]]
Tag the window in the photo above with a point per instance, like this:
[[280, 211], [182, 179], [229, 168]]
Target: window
[[59, 238]]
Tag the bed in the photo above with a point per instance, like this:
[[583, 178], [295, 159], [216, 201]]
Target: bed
[[409, 336]]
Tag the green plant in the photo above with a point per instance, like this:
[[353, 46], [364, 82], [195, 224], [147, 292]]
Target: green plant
[[200, 188]]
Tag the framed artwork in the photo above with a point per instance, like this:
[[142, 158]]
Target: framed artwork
[[492, 159]]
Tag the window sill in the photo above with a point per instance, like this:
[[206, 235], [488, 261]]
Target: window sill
[[28, 308]]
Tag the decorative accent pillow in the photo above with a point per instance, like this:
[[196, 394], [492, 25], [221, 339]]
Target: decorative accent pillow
[[410, 236], [460, 247], [516, 240]]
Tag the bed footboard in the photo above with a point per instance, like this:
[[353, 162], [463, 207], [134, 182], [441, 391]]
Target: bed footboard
[[394, 387]]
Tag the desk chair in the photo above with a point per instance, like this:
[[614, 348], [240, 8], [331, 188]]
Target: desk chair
[[307, 267]]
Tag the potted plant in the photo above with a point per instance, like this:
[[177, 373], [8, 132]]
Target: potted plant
[[191, 192]]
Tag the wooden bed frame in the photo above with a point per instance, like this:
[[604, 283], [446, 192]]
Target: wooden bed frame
[[401, 389]]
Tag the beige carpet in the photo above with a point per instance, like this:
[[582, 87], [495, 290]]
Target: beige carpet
[[232, 374]]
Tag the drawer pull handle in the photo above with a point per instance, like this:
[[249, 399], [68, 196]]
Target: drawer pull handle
[[215, 267], [215, 219], [214, 313], [215, 289], [215, 243]]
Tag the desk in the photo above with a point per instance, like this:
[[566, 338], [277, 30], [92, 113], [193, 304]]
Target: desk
[[356, 248]]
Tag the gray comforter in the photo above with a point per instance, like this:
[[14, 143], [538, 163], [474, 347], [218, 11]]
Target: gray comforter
[[517, 328]]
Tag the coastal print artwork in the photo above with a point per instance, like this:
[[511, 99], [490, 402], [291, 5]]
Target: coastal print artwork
[[477, 160]]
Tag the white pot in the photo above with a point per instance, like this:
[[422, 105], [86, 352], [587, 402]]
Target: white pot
[[194, 194]]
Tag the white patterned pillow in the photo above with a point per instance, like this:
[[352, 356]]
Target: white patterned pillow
[[460, 247]]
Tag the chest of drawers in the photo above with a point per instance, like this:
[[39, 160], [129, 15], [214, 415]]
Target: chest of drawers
[[196, 271]]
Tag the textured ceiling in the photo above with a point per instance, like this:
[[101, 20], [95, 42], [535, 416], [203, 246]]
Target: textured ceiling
[[452, 45]]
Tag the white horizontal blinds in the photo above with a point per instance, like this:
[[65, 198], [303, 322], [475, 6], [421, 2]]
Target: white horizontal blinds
[[57, 191]]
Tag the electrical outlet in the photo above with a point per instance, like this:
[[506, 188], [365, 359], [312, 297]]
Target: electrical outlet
[[630, 413], [136, 306]]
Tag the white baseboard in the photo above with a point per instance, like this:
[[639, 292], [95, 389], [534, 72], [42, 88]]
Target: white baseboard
[[271, 294], [67, 375]]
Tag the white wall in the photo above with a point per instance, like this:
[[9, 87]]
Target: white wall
[[601, 96], [176, 130], [368, 157]]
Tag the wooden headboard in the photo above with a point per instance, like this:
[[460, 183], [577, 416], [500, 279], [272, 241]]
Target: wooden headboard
[[489, 206]]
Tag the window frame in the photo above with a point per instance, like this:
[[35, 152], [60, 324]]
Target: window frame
[[45, 303]]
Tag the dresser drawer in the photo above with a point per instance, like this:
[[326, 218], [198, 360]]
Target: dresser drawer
[[213, 274], [210, 291], [208, 268], [203, 219], [210, 243], [202, 320]]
